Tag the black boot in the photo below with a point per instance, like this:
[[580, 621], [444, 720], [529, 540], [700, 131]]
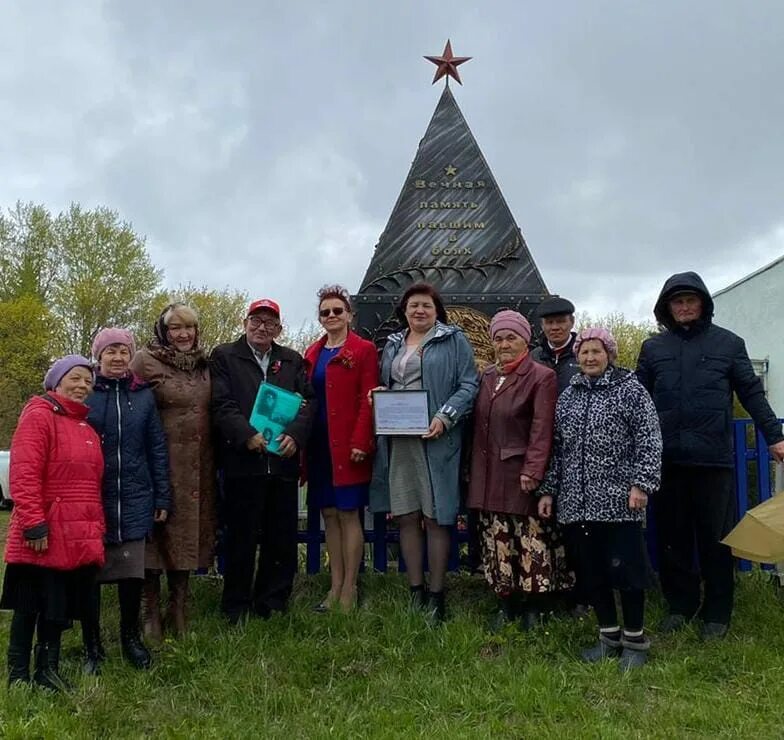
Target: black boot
[[635, 652], [133, 649], [20, 644], [47, 663], [504, 615], [417, 598], [436, 606], [94, 653]]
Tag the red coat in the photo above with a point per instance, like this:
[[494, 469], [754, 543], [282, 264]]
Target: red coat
[[350, 375], [55, 477], [513, 435]]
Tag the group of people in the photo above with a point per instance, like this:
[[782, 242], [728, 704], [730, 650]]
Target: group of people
[[555, 448]]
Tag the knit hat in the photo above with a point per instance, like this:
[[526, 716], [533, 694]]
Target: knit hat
[[513, 321], [604, 336], [113, 335], [60, 368]]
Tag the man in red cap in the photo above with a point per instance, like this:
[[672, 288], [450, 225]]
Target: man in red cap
[[260, 488]]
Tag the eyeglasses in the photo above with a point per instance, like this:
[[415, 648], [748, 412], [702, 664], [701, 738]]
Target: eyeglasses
[[257, 322], [338, 311]]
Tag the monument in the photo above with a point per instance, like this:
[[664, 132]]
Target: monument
[[451, 227]]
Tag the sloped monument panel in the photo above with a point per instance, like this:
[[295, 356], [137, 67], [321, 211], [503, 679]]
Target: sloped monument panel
[[451, 225]]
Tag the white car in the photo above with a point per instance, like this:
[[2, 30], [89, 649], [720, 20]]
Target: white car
[[5, 492]]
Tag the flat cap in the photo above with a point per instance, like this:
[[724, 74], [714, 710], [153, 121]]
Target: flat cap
[[554, 306]]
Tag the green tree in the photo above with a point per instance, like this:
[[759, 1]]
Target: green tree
[[88, 267], [25, 354], [107, 276], [29, 262], [220, 311]]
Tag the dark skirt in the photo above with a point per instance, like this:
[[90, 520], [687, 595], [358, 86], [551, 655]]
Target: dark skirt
[[322, 493], [523, 554], [609, 555], [58, 595]]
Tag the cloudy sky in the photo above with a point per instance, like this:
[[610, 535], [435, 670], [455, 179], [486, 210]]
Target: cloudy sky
[[262, 144]]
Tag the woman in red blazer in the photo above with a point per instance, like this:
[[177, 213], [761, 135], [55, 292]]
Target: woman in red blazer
[[343, 368], [55, 539]]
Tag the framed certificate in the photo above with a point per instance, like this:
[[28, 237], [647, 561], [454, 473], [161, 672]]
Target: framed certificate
[[401, 413]]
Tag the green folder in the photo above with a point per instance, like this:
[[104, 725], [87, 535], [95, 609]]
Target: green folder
[[273, 410]]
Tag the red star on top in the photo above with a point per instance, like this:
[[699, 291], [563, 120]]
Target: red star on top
[[447, 64]]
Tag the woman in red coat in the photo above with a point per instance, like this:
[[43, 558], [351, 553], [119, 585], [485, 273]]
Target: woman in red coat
[[343, 368], [523, 556], [55, 538]]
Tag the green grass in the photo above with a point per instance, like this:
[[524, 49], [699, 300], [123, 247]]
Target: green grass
[[383, 672]]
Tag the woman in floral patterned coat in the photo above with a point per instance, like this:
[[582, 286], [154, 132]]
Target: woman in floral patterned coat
[[606, 462], [522, 555]]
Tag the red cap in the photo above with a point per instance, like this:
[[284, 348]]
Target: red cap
[[260, 303]]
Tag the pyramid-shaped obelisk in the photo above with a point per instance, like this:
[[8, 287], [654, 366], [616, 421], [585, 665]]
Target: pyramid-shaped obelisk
[[451, 227], [451, 224]]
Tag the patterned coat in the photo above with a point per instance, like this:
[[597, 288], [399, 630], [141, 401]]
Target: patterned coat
[[607, 439], [182, 393]]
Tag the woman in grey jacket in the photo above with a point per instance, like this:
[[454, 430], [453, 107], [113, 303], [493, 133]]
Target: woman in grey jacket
[[417, 478], [606, 462]]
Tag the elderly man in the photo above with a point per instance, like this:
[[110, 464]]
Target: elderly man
[[260, 488], [555, 351], [691, 370]]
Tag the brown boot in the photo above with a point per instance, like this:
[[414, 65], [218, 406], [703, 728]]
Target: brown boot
[[151, 608], [178, 597]]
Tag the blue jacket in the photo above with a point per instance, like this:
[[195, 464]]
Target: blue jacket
[[691, 374], [136, 461], [449, 374]]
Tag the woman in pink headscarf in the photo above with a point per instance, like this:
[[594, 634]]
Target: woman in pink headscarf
[[606, 462], [522, 555]]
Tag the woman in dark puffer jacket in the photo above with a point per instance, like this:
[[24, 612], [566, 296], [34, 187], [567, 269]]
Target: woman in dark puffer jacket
[[55, 539], [136, 492]]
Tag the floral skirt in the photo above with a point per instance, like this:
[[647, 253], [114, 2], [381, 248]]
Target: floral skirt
[[522, 553]]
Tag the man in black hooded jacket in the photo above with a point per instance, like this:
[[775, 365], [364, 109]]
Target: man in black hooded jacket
[[691, 370]]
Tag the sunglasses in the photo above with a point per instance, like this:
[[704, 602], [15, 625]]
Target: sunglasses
[[324, 312]]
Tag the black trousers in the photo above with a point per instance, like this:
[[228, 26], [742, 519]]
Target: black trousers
[[694, 510], [611, 556], [260, 513]]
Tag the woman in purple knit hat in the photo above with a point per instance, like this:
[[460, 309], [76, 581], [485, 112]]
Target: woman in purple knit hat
[[606, 462]]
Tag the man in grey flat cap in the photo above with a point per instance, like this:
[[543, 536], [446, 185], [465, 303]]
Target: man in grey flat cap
[[555, 350]]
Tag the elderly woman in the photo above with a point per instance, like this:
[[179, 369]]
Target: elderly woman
[[135, 488], [418, 479], [176, 368], [55, 539], [606, 462], [343, 368], [523, 557]]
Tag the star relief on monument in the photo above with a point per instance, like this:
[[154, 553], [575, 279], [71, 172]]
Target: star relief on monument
[[447, 64], [450, 170]]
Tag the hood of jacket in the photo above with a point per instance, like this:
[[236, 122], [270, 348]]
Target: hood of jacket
[[675, 284]]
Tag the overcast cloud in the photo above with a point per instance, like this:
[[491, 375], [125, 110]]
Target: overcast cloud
[[262, 145]]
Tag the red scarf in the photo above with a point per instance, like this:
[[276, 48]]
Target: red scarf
[[510, 367]]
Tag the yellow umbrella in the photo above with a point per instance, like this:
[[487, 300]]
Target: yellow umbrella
[[759, 536]]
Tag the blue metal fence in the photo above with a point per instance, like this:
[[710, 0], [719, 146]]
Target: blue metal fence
[[753, 485]]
